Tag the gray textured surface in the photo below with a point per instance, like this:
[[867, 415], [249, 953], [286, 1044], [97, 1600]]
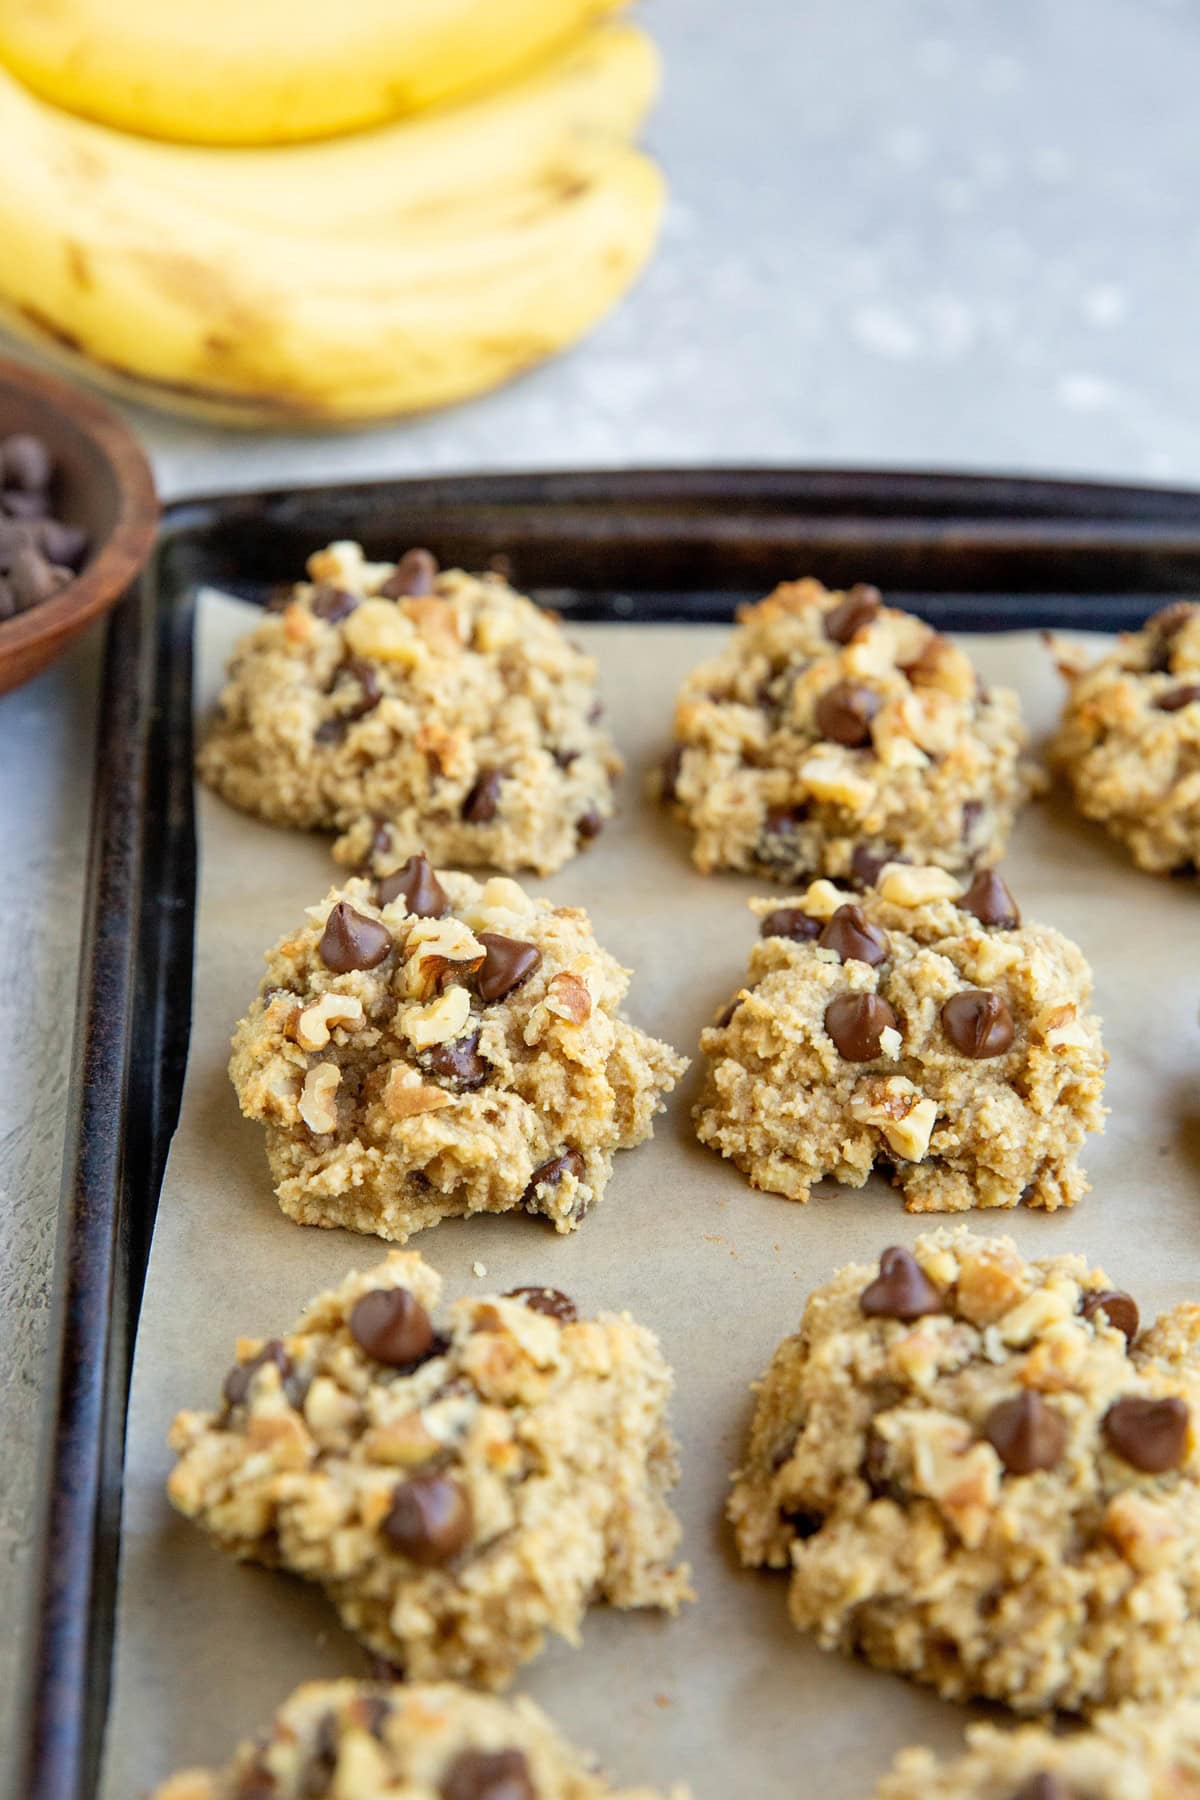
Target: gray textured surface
[[927, 232]]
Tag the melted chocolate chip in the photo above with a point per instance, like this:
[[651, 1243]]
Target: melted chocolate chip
[[488, 1775], [1025, 1433], [844, 713], [392, 1327], [671, 768], [237, 1382], [1119, 1308], [790, 922], [853, 936], [509, 962], [860, 606], [551, 1301], [989, 898], [901, 1290], [413, 575], [483, 802], [332, 604], [352, 941], [781, 821], [459, 1063], [856, 1023], [549, 1174], [416, 884], [978, 1023], [430, 1520], [1177, 698], [1149, 1434], [588, 825]]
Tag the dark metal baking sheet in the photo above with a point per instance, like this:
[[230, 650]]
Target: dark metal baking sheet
[[969, 552]]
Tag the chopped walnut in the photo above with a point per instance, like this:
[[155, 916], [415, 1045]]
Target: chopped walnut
[[298, 626], [1142, 1530], [447, 750], [831, 777], [567, 997], [316, 1021], [406, 1095], [443, 1020], [436, 621], [318, 1106], [822, 899], [434, 947], [957, 1472], [379, 631], [898, 1109], [904, 886], [1061, 1029]]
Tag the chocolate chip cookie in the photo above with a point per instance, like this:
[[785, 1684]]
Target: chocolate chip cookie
[[1129, 742], [834, 734], [426, 1046], [362, 1740], [405, 708], [983, 1473], [458, 1491], [1133, 1753], [920, 1030]]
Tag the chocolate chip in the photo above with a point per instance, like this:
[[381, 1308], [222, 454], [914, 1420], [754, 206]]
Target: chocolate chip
[[856, 1022], [564, 758], [330, 731], [1177, 698], [671, 768], [1149, 1434], [333, 603], [430, 1520], [237, 1382], [1119, 1307], [413, 575], [25, 463], [488, 1775], [549, 1174], [459, 1063], [781, 821], [853, 936], [865, 864], [483, 802], [989, 898], [972, 812], [367, 677], [595, 712], [978, 1023], [790, 922], [901, 1290], [392, 1326], [804, 1524], [1042, 1786], [860, 606], [415, 883], [509, 962], [727, 1012], [352, 941], [589, 825], [381, 838], [1025, 1433], [844, 713], [551, 1301]]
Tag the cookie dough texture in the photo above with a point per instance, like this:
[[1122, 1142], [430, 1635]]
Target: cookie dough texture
[[789, 1105], [975, 1480], [1129, 742], [834, 733], [406, 708], [421, 1086], [457, 1493], [362, 1740], [1133, 1753]]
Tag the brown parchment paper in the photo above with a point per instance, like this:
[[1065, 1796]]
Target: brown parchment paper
[[727, 1697]]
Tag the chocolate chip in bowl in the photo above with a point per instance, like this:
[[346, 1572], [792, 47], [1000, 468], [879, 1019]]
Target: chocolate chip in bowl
[[78, 515]]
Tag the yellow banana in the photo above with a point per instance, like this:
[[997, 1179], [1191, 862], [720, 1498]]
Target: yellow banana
[[402, 269], [273, 71]]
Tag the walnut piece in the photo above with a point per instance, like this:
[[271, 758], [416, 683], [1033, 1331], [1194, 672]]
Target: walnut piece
[[318, 1106], [443, 1020], [905, 886], [316, 1021], [405, 1094], [435, 946], [567, 998]]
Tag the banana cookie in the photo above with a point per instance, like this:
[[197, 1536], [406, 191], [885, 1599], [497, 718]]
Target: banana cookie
[[1133, 1753], [363, 1740], [1129, 742], [982, 1474], [427, 1046], [407, 707], [921, 1031], [834, 734], [457, 1492]]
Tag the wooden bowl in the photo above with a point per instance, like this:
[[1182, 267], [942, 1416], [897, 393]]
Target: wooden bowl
[[103, 484]]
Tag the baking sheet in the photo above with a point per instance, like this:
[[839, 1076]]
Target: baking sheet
[[727, 1697]]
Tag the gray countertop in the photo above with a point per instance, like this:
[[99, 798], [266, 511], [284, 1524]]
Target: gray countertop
[[926, 233]]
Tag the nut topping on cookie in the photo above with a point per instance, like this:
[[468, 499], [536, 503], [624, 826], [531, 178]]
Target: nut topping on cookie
[[856, 1023], [1150, 1434], [1119, 1307], [352, 941], [418, 886], [851, 934], [844, 713], [1025, 1433], [901, 1290], [978, 1023], [989, 898], [391, 1326], [509, 962], [790, 922], [489, 1775], [430, 1520], [859, 608]]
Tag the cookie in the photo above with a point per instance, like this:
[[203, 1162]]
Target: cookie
[[982, 1474], [834, 734], [408, 708], [362, 1740], [1128, 745], [426, 1047], [1133, 1753], [920, 1030], [457, 1492]]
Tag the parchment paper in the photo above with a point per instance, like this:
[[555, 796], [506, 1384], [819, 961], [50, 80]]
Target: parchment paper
[[727, 1697]]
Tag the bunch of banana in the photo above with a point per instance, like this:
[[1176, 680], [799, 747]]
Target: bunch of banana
[[393, 269]]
